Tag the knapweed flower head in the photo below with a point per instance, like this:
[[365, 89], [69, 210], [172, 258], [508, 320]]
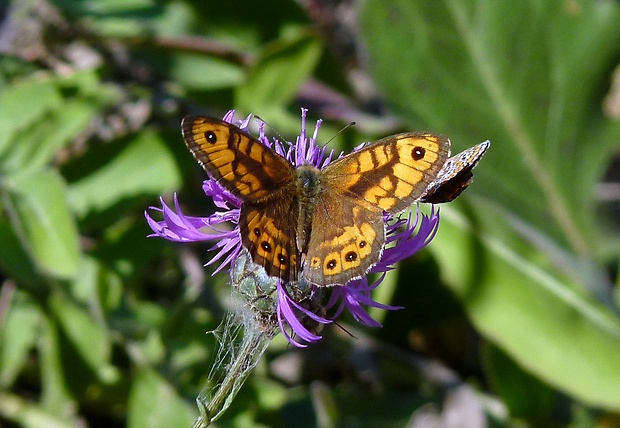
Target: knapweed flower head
[[298, 309]]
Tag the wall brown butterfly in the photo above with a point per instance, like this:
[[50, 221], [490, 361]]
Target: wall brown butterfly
[[325, 225]]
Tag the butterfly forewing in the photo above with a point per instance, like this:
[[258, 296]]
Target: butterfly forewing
[[238, 161], [393, 172]]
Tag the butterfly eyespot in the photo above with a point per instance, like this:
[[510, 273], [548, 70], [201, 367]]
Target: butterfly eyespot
[[315, 261], [362, 244], [210, 137], [351, 256], [265, 246], [256, 232], [282, 259], [418, 153], [331, 264]]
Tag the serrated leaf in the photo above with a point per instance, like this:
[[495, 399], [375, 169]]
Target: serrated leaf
[[40, 215]]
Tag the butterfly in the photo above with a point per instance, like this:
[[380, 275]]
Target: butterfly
[[324, 226]]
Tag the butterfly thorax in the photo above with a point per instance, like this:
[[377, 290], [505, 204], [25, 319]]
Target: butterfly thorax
[[309, 177], [308, 181]]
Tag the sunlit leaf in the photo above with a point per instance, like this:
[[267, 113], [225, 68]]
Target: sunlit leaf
[[548, 327], [146, 404], [41, 216], [144, 167], [277, 76], [19, 332]]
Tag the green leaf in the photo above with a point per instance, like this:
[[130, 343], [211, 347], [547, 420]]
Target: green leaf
[[526, 75], [20, 331], [155, 403], [36, 146], [89, 337], [144, 167], [15, 262], [281, 70], [525, 396], [97, 285], [472, 73], [549, 328], [65, 106], [56, 395], [22, 411], [24, 103], [36, 203], [202, 72]]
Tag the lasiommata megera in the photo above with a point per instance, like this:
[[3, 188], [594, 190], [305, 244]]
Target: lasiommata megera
[[325, 225]]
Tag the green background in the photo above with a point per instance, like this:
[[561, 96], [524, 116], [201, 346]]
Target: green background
[[511, 314]]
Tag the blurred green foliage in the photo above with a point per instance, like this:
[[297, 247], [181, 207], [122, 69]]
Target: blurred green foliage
[[511, 315]]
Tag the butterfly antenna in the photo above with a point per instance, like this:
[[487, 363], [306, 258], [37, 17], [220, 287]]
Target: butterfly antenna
[[345, 330], [347, 126], [270, 127]]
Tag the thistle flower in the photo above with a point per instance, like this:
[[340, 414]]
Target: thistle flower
[[298, 309]]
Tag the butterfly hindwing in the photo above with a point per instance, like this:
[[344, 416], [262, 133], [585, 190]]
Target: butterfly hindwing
[[347, 238], [267, 230]]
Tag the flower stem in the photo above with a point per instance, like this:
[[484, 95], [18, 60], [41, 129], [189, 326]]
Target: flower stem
[[234, 362]]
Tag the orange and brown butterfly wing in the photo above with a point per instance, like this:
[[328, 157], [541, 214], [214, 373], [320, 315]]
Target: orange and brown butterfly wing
[[348, 230], [268, 232], [456, 174], [393, 172], [346, 240], [262, 179], [239, 162]]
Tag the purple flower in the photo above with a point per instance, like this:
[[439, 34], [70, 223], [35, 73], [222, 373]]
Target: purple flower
[[298, 308]]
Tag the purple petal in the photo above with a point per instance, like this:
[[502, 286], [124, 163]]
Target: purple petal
[[222, 198], [286, 314], [408, 241], [181, 228]]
